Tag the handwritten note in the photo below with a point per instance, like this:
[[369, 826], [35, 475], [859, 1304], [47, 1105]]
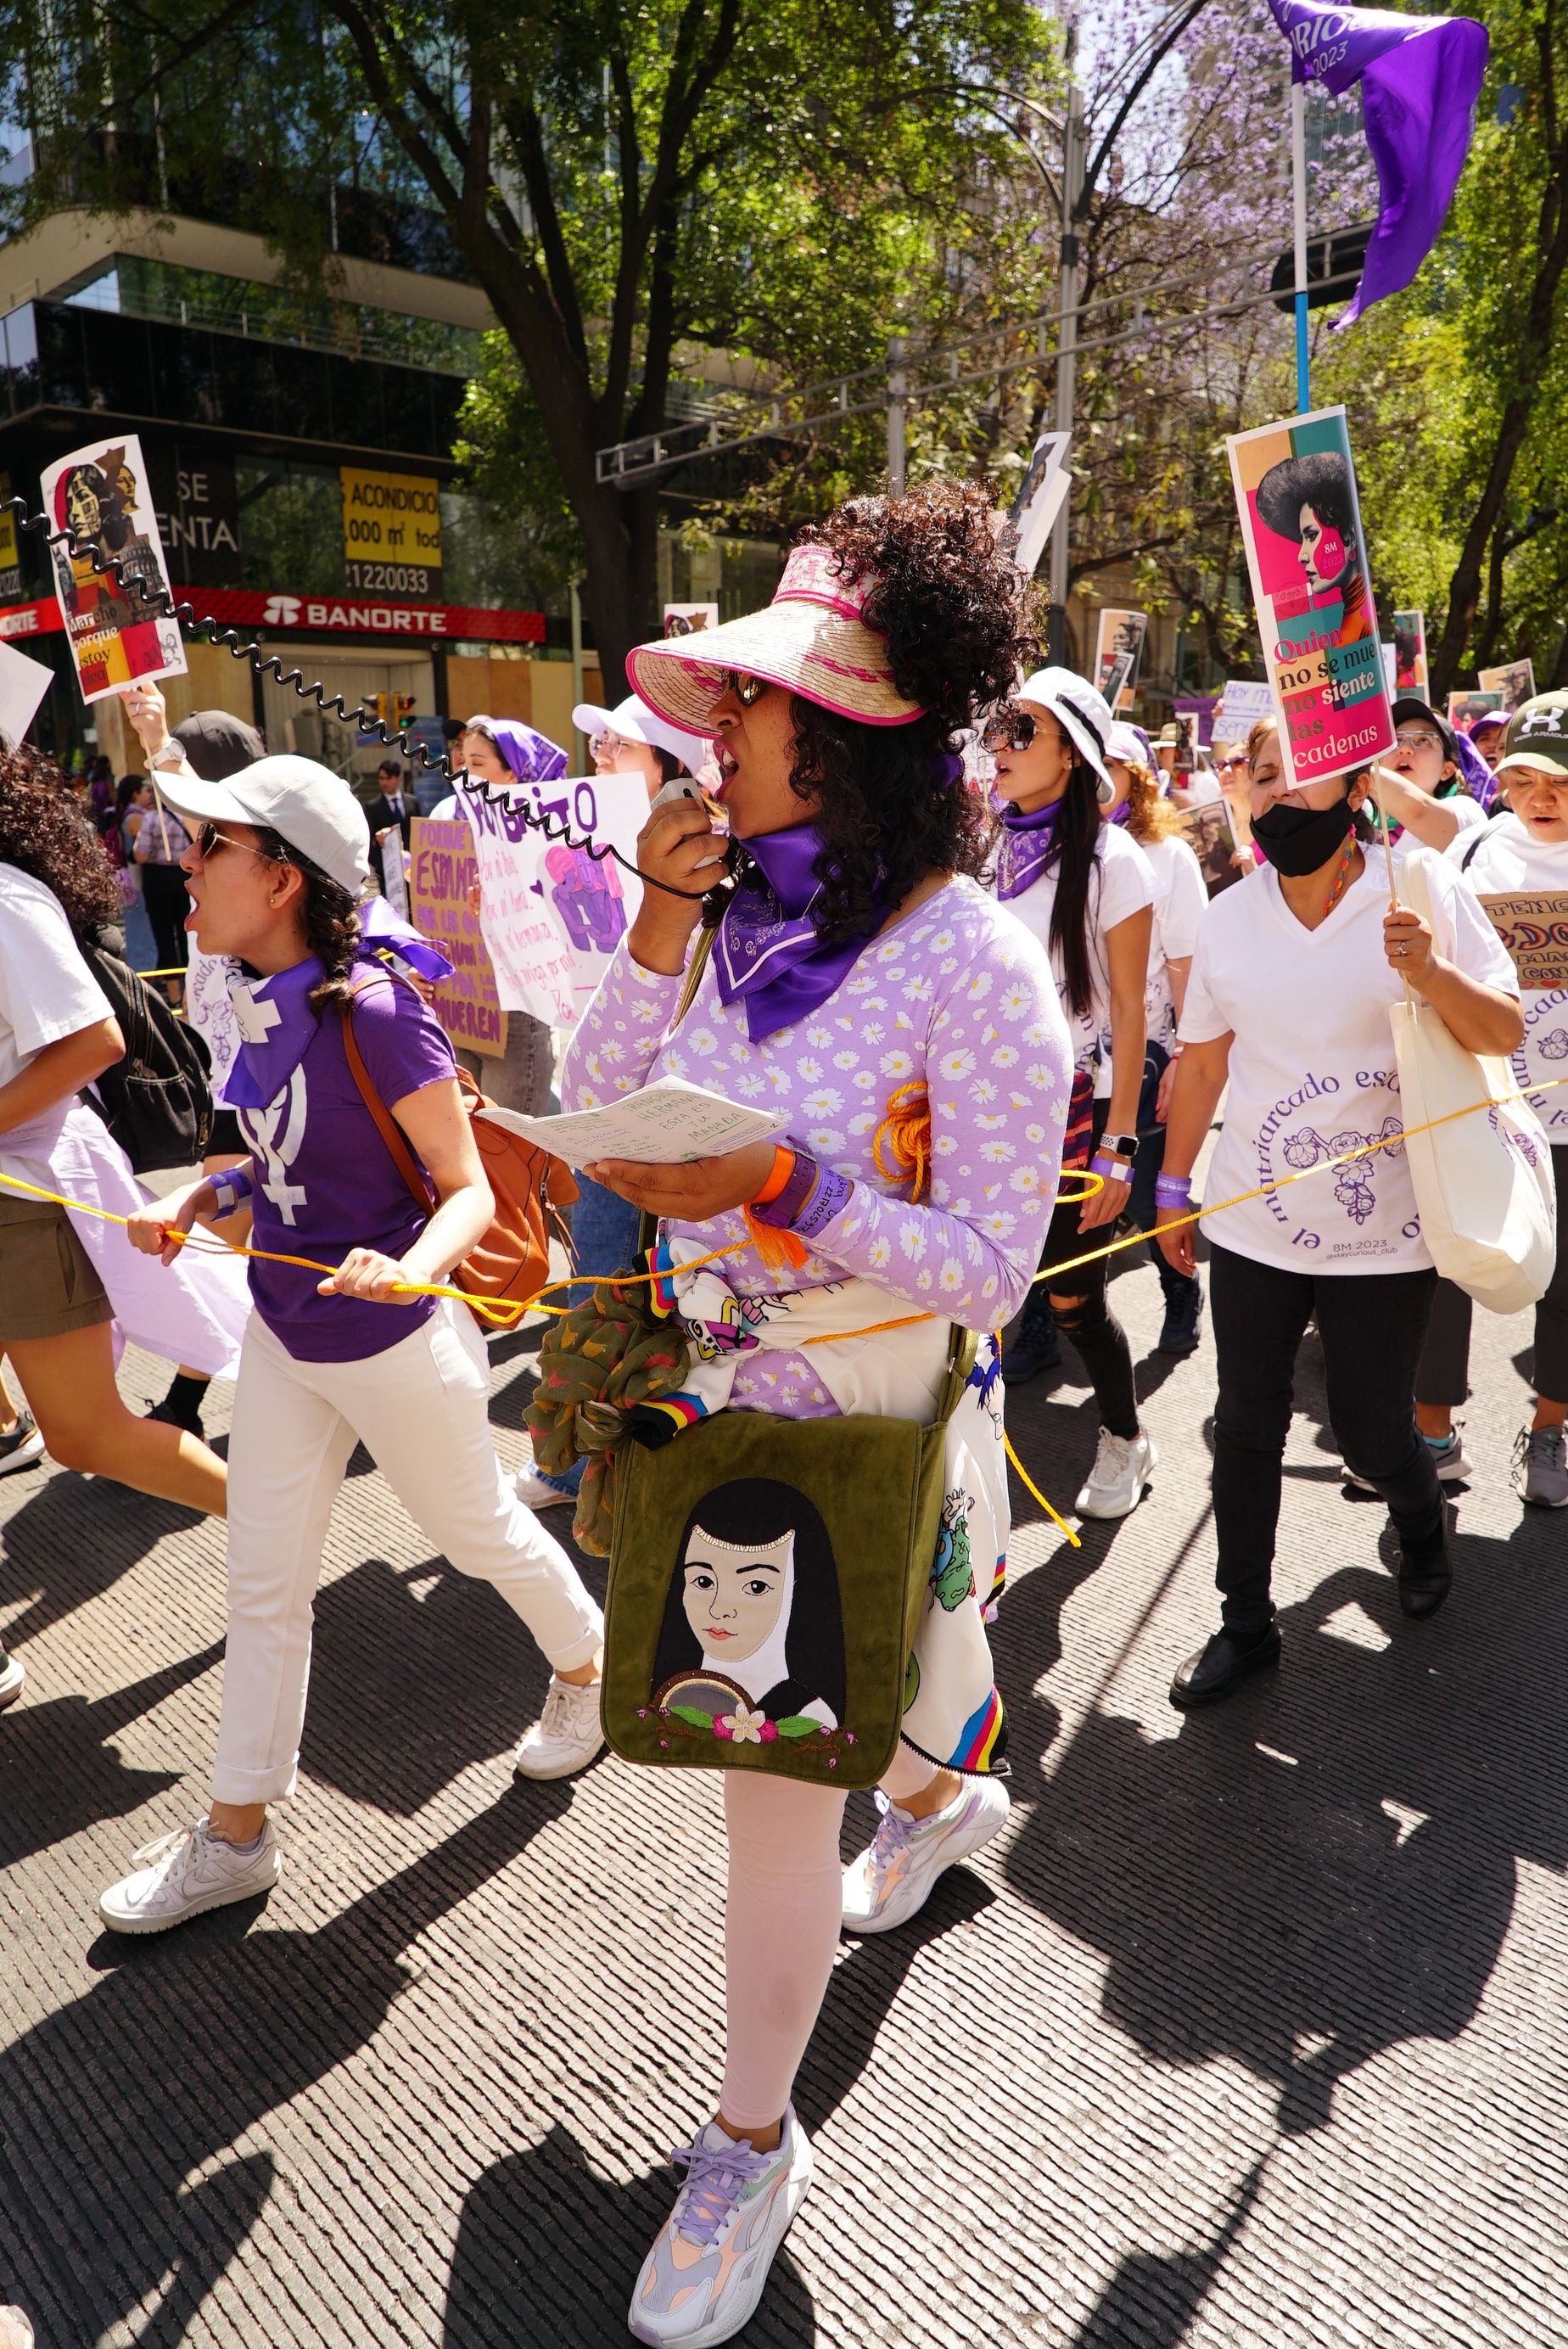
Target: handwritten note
[[554, 916], [664, 1125], [441, 872]]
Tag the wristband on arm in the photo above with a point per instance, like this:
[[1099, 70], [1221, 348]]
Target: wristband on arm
[[1172, 1190], [230, 1185]]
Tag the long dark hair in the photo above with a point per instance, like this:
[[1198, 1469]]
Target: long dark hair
[[44, 833], [761, 1509], [950, 605], [1076, 838], [331, 923]]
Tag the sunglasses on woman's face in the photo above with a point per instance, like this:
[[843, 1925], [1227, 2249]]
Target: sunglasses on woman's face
[[1010, 730], [746, 689], [209, 840]]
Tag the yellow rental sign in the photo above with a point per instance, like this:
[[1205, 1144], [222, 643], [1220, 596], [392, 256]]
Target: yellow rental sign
[[391, 525]]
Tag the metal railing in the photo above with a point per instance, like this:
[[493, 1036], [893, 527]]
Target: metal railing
[[260, 320]]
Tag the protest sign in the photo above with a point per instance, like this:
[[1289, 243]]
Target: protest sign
[[23, 684], [1301, 525], [1212, 837], [1032, 514], [1464, 708], [1515, 681], [686, 619], [1411, 653], [1239, 706], [1117, 651], [210, 1013], [553, 915], [1390, 668], [394, 873], [442, 871], [115, 636], [1535, 930]]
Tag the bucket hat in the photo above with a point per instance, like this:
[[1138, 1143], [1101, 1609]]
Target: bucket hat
[[1079, 709]]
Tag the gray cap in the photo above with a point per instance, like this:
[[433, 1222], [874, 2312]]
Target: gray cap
[[306, 803]]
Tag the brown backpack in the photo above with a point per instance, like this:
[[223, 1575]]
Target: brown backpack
[[511, 1263]]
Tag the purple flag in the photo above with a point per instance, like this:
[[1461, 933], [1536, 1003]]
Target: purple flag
[[1421, 78]]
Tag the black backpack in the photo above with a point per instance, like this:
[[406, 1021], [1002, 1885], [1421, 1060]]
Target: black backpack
[[158, 1102]]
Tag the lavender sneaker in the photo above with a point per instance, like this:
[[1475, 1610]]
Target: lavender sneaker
[[891, 1880], [709, 2262]]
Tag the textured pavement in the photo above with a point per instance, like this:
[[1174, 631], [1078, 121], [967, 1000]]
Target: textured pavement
[[1249, 2032]]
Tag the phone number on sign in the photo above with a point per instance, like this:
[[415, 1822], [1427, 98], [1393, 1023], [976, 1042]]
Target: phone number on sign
[[392, 578]]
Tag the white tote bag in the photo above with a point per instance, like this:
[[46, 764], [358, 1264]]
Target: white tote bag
[[1482, 1181]]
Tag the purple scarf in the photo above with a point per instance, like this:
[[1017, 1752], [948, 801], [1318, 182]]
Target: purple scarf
[[275, 1018], [768, 951], [1029, 846]]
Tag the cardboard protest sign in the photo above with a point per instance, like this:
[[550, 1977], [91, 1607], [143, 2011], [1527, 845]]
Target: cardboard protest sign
[[1464, 708], [1239, 706], [1301, 523], [1411, 653], [116, 638], [1535, 932], [686, 619], [23, 684], [442, 872], [1117, 651], [1515, 681], [554, 916], [1032, 514], [394, 873], [1212, 837]]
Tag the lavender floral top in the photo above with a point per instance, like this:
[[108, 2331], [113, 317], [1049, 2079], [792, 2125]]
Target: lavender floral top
[[958, 997]]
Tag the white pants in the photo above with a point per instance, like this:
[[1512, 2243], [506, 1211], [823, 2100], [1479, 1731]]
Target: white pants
[[420, 1409]]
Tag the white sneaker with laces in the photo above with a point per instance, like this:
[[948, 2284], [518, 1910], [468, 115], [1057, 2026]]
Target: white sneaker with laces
[[709, 2263], [534, 1493], [1452, 1466], [567, 1735], [12, 1678], [183, 1873], [1122, 1466], [891, 1880]]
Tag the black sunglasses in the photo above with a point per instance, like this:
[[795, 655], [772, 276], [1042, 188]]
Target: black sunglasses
[[209, 840], [746, 689], [1010, 730]]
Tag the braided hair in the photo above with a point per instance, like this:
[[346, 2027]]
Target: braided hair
[[331, 923]]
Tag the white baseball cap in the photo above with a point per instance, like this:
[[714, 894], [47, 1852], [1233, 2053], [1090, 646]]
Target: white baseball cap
[[1124, 742], [633, 722], [1082, 712], [306, 803]]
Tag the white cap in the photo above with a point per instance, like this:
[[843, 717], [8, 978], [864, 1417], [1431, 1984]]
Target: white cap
[[1082, 712], [633, 722], [1124, 743], [306, 803]]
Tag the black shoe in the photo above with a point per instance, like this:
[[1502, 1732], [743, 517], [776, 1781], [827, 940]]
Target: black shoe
[[1221, 1665], [1035, 1348], [1180, 1334], [169, 1414], [23, 1446], [1425, 1582]]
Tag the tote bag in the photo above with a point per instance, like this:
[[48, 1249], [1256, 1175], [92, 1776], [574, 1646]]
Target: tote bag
[[1483, 1180]]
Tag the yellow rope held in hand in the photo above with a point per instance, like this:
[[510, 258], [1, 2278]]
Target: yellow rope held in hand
[[906, 1129]]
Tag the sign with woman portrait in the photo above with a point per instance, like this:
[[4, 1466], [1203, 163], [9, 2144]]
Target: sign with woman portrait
[[1306, 554], [116, 625]]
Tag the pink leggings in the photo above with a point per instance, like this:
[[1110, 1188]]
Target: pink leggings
[[781, 1919]]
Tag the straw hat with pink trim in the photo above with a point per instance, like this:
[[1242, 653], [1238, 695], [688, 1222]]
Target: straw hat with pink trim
[[812, 640]]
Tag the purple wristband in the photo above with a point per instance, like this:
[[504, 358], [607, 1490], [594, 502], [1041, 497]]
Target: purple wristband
[[829, 1199], [783, 1211], [231, 1184], [1113, 1170], [1174, 1189]]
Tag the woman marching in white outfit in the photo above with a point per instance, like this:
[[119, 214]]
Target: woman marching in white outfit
[[278, 861]]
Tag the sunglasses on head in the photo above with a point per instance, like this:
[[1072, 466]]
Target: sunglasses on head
[[1010, 730]]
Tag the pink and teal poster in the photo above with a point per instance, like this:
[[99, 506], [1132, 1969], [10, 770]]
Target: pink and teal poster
[[1301, 522]]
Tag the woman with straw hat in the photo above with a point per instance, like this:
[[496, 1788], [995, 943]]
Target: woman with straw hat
[[866, 987]]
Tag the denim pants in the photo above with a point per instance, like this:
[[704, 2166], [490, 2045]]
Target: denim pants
[[603, 1240]]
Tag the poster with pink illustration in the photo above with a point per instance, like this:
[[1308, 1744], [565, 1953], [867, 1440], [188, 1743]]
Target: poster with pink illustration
[[1301, 523]]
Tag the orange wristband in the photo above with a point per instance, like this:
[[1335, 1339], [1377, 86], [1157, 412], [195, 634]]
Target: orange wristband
[[783, 1166]]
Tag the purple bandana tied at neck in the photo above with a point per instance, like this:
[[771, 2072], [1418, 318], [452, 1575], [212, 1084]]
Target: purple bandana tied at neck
[[276, 1019], [1028, 845], [768, 951]]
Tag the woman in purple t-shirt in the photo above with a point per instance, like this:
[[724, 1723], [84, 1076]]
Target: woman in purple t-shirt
[[275, 871]]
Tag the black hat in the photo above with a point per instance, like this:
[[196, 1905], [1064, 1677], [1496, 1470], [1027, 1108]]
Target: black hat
[[1407, 707], [218, 744]]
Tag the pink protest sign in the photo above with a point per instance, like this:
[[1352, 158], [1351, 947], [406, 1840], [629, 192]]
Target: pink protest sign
[[1300, 523]]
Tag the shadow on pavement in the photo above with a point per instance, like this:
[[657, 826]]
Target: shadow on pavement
[[75, 1537], [58, 1773]]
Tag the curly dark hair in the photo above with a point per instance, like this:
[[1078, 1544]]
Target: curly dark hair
[[331, 923], [950, 605], [44, 833]]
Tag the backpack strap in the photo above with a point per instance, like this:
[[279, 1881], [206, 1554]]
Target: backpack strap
[[385, 1124]]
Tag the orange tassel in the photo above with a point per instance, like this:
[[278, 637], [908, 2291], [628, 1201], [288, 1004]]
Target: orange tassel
[[779, 1251], [907, 1129]]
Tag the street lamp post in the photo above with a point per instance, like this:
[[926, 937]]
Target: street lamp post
[[1066, 350]]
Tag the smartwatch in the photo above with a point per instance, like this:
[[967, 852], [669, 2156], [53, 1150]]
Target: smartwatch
[[1119, 1145]]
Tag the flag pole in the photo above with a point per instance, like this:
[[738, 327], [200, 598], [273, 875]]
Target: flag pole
[[1298, 194]]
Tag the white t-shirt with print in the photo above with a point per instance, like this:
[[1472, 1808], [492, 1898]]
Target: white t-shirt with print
[[46, 991], [1180, 902], [1121, 884], [1509, 860], [1312, 1067]]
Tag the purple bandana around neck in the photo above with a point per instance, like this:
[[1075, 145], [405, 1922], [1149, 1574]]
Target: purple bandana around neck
[[1028, 845], [276, 1019], [768, 951]]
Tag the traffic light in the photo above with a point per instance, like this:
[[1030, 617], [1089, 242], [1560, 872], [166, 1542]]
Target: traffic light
[[1340, 258]]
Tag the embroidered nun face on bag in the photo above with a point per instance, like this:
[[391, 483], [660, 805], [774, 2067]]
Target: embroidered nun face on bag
[[751, 1646]]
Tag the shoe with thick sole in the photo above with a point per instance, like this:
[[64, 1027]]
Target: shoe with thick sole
[[535, 1492], [1219, 1667], [23, 1446], [13, 1678], [568, 1733], [893, 1879], [1122, 1468], [186, 1873], [710, 2264]]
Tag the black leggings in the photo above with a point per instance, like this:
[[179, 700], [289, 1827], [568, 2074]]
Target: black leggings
[[1372, 1325], [164, 895], [1442, 1376], [1089, 1323]]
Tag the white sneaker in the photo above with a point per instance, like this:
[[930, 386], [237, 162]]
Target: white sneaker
[[709, 2262], [534, 1493], [1122, 1466], [893, 1878], [11, 1678], [1452, 1467], [567, 1735], [183, 1873], [16, 2330]]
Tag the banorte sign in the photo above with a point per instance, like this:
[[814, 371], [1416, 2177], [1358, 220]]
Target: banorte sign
[[357, 615]]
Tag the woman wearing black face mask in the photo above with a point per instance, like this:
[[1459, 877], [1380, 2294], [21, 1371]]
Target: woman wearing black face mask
[[1287, 1002]]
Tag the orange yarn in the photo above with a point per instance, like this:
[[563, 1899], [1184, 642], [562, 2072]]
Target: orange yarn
[[778, 1250], [907, 1128]]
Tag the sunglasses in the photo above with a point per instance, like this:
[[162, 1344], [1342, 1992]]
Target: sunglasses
[[209, 840], [1010, 730], [748, 690]]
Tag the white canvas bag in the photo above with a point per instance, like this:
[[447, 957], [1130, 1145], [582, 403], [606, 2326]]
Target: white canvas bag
[[1482, 1181]]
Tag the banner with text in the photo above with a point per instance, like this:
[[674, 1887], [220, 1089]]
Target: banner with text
[[1301, 523], [554, 916], [391, 531], [102, 493], [441, 875]]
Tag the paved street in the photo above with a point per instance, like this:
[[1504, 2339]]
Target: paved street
[[1248, 2032]]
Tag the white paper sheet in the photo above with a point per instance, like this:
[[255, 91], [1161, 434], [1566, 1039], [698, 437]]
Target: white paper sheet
[[23, 684], [663, 1125]]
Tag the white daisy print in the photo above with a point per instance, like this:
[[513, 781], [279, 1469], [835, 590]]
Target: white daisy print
[[896, 1064]]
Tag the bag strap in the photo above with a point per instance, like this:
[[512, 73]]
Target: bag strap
[[963, 1348], [387, 1124], [1469, 852]]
